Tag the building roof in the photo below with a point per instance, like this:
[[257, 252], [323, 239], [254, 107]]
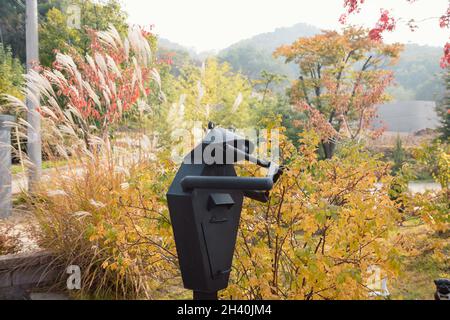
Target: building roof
[[407, 116]]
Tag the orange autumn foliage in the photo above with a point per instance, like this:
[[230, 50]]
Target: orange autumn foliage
[[343, 77]]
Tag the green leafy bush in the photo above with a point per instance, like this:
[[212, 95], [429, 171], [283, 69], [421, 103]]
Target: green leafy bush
[[11, 76]]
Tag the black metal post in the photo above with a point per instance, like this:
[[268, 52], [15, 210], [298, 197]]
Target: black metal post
[[205, 202], [198, 295]]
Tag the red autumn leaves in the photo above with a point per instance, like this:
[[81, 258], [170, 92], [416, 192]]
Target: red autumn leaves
[[387, 23], [105, 83]]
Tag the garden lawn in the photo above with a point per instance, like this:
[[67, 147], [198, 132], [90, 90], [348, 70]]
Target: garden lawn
[[421, 267]]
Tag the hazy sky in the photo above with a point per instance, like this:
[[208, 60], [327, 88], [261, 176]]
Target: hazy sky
[[215, 24]]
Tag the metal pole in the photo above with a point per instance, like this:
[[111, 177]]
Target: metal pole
[[34, 130], [198, 295], [5, 166]]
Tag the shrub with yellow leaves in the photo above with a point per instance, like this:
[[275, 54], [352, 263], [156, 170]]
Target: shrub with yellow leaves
[[434, 206], [324, 229]]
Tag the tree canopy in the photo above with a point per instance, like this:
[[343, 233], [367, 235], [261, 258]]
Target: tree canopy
[[342, 78]]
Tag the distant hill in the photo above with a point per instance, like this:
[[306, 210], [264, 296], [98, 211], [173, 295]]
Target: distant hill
[[251, 56], [418, 74], [169, 45], [269, 41], [180, 55]]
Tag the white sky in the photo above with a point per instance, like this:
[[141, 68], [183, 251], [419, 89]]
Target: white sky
[[216, 24]]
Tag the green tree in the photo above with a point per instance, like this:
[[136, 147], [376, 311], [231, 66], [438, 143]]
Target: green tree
[[12, 27], [11, 78], [268, 79], [398, 155], [55, 34], [269, 108], [214, 93], [444, 111], [12, 23]]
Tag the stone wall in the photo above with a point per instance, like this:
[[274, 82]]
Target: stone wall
[[20, 274]]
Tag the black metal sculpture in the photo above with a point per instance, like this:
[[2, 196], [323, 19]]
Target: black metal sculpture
[[205, 202], [442, 289]]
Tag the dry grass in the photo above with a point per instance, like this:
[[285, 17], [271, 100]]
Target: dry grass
[[108, 220]]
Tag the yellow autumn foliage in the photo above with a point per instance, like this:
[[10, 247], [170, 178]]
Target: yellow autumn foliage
[[110, 220], [327, 224]]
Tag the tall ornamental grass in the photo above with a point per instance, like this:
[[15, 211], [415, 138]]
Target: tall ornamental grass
[[105, 210]]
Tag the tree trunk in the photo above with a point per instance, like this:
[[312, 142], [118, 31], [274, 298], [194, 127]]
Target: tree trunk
[[328, 148]]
